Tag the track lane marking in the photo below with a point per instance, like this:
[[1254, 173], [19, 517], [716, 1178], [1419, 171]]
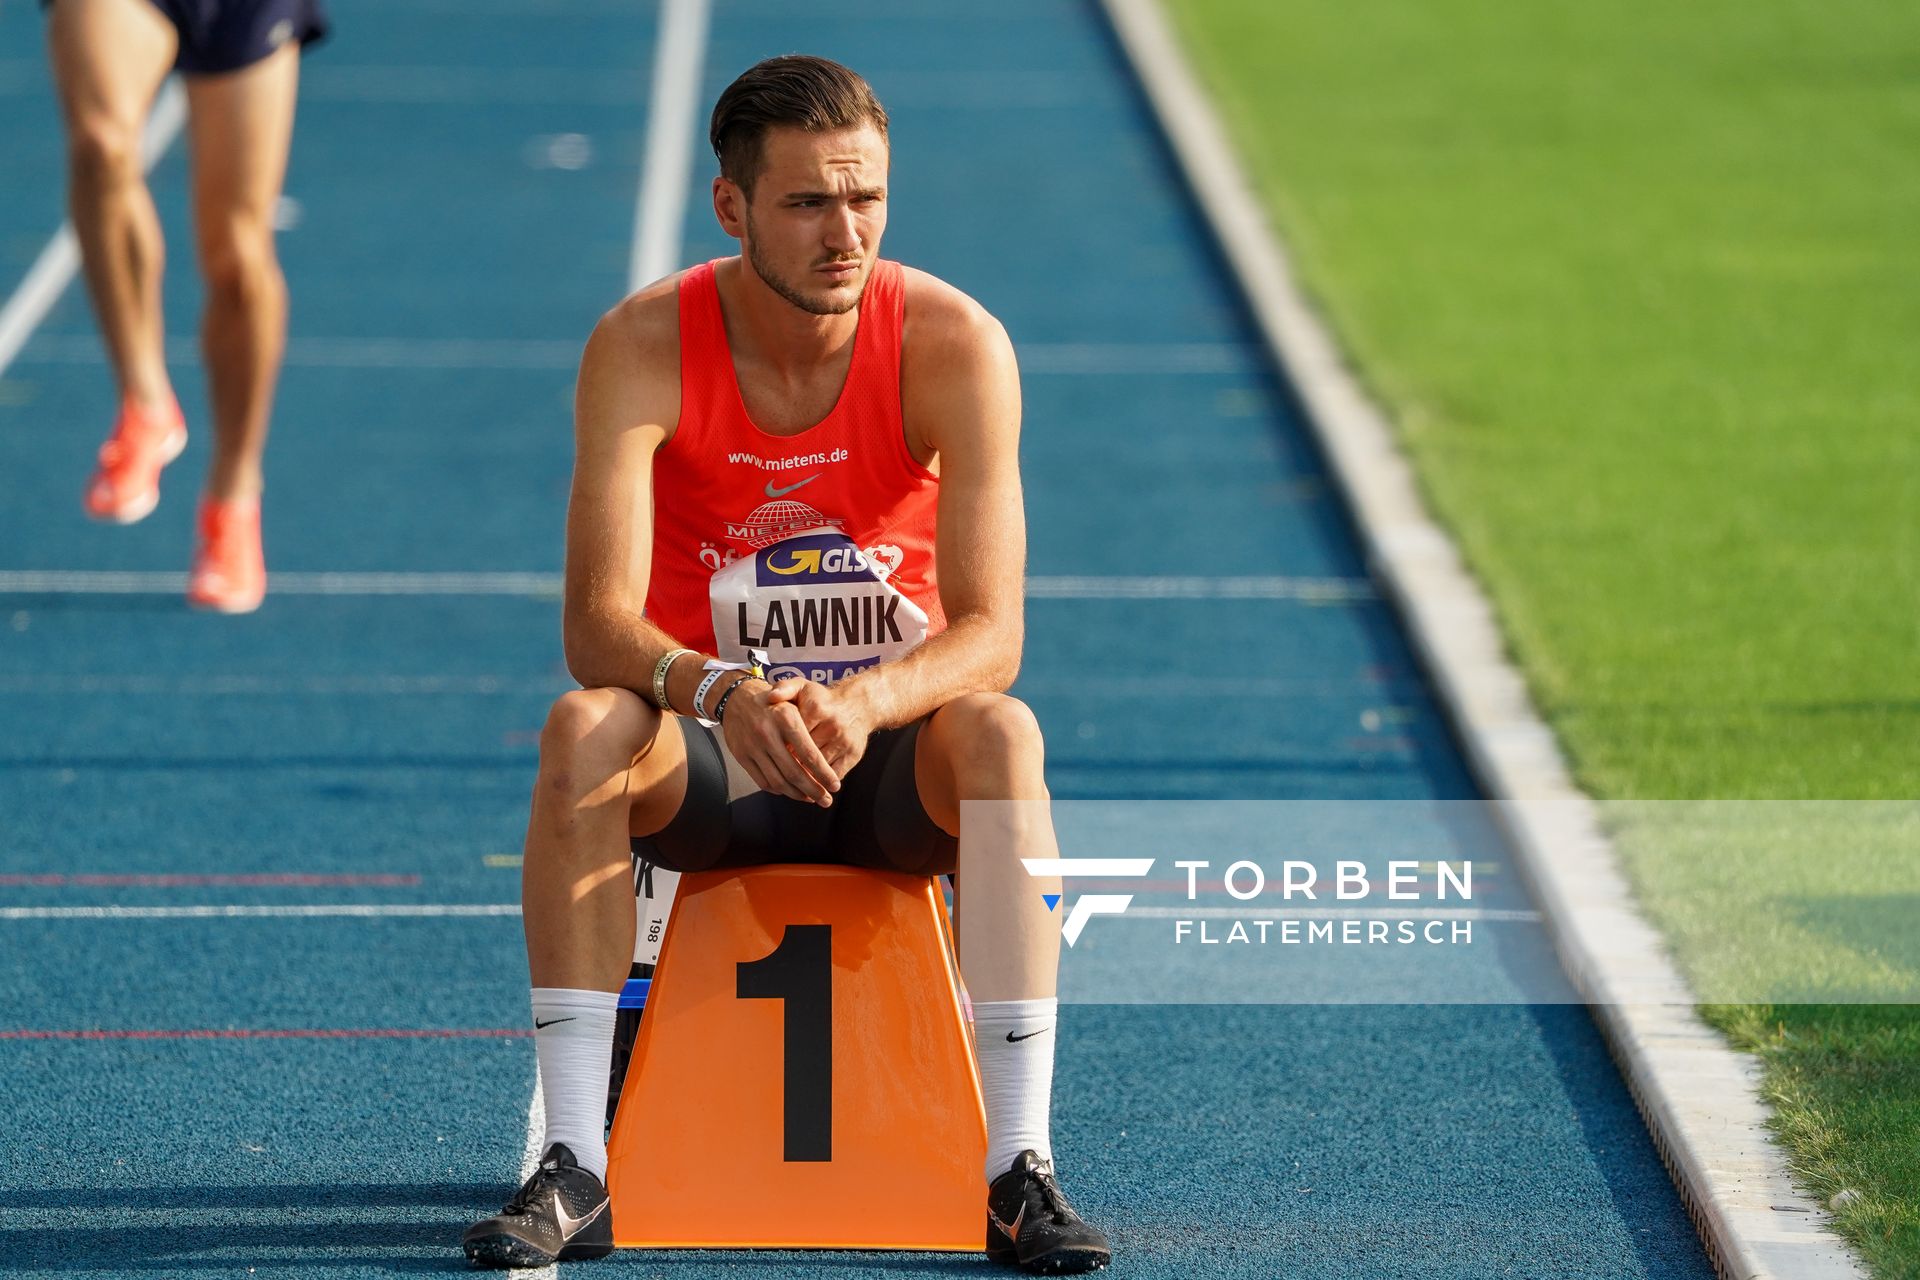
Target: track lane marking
[[174, 880], [1308, 590], [1045, 359], [1493, 915], [428, 910], [270, 911], [273, 1033], [660, 212]]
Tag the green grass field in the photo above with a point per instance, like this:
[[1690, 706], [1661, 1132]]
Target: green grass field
[[1641, 286]]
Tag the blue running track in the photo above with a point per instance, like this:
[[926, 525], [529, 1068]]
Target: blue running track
[[338, 1095]]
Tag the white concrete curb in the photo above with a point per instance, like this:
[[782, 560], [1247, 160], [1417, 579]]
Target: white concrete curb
[[1698, 1096]]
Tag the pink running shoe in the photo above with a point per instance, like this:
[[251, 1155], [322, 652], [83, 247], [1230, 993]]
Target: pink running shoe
[[126, 485], [229, 569]]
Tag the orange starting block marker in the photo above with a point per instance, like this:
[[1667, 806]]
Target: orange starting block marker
[[803, 1051]]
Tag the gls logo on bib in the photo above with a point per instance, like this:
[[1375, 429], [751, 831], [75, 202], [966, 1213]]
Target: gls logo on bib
[[818, 605]]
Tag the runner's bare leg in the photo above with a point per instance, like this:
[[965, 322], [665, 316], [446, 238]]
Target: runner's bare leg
[[242, 127], [109, 59], [606, 771], [987, 747]]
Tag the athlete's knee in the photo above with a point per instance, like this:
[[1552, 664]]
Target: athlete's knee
[[237, 260], [992, 730], [103, 153], [592, 734]]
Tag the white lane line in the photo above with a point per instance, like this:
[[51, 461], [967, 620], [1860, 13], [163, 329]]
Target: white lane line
[[42, 286], [435, 353], [216, 686], [1040, 359], [1112, 687], [1495, 914], [1080, 867], [115, 582], [548, 585], [322, 686], [1153, 358], [57, 264], [403, 84], [254, 911], [536, 1129], [422, 85], [439, 910], [348, 353], [1176, 587], [667, 168]]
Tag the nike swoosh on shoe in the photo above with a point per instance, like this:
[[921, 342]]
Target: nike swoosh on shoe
[[569, 1226]]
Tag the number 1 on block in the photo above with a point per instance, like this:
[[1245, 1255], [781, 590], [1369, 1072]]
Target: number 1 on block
[[800, 972]]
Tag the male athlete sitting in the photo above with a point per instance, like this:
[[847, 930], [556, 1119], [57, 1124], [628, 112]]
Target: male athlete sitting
[[786, 451]]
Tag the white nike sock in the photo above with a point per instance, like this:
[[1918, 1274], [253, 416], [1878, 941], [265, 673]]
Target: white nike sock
[[573, 1039], [1014, 1045]]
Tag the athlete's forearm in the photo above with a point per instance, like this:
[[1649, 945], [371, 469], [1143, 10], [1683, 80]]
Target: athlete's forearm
[[620, 649], [976, 654]]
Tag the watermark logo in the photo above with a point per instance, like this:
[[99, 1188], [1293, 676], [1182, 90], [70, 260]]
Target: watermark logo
[[1087, 905]]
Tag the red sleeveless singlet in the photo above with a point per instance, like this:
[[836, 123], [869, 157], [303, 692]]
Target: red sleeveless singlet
[[724, 489]]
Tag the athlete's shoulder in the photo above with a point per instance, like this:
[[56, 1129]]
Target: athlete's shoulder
[[642, 327], [959, 384], [944, 324], [630, 369]]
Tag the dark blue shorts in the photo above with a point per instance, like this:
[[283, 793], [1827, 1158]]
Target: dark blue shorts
[[217, 36]]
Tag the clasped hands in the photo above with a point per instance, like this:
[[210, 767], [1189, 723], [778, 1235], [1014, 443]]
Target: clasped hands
[[798, 738]]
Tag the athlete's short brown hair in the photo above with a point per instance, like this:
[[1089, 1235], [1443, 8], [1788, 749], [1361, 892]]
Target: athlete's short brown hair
[[794, 90]]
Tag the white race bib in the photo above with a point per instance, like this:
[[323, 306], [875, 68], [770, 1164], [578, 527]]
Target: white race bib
[[819, 606]]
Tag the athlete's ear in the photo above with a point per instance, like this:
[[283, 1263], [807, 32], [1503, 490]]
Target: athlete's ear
[[730, 207]]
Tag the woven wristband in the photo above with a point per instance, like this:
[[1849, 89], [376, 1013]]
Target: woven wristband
[[700, 694]]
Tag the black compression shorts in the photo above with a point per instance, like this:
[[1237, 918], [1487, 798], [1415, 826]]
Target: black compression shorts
[[876, 819]]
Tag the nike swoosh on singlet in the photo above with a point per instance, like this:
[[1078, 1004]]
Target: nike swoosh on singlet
[[570, 1225], [1014, 1039], [781, 493]]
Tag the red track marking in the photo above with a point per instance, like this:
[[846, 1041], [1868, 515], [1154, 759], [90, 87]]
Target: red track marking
[[271, 880], [277, 1033]]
